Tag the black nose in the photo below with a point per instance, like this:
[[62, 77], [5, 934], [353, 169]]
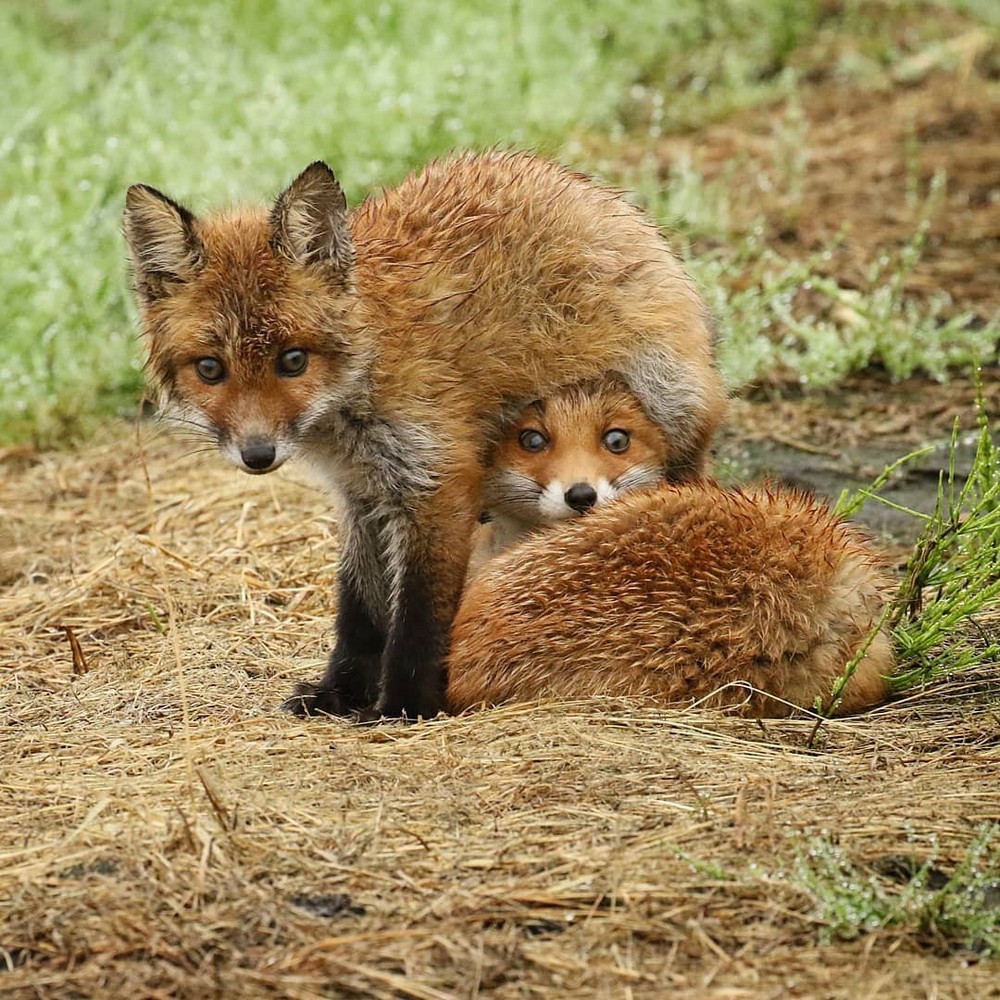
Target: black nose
[[581, 496], [257, 454]]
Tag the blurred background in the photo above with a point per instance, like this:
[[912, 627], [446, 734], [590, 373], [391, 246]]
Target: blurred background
[[828, 167]]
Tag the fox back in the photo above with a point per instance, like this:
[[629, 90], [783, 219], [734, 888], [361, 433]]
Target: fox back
[[755, 599]]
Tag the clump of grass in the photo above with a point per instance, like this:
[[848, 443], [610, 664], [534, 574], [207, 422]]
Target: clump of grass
[[791, 320], [953, 572], [951, 576], [957, 912]]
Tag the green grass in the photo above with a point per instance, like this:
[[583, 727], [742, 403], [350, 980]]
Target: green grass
[[770, 326], [953, 574], [215, 101], [948, 913], [950, 577], [218, 101]]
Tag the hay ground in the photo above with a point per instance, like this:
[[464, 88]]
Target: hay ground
[[168, 832]]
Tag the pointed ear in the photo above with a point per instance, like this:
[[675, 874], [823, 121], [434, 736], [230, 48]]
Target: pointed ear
[[161, 240], [309, 221]]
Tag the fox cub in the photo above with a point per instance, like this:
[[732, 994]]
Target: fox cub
[[670, 594], [387, 345], [563, 456]]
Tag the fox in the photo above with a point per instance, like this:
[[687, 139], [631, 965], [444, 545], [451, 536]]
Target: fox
[[753, 599], [562, 456], [386, 346]]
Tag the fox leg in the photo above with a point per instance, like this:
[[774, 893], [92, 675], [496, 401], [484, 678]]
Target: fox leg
[[431, 552], [351, 680]]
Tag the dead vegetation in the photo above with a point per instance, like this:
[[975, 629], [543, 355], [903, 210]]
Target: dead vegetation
[[167, 832]]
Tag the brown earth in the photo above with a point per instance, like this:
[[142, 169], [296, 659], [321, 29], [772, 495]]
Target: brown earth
[[865, 157]]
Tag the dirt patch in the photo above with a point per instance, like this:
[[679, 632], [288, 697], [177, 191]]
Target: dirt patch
[[848, 169], [168, 831], [843, 438]]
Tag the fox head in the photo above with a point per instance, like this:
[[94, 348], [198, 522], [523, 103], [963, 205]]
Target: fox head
[[574, 451], [246, 314]]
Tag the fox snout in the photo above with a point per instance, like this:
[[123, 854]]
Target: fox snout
[[580, 497], [258, 454], [558, 502]]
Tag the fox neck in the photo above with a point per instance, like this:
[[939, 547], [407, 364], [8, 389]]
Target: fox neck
[[362, 453]]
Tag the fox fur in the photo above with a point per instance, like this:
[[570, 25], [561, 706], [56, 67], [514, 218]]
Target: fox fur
[[386, 345], [754, 599]]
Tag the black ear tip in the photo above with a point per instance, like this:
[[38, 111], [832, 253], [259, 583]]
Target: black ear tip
[[141, 194], [319, 172], [318, 166]]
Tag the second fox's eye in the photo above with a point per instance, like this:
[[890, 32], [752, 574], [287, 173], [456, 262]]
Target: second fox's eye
[[532, 440], [616, 440], [293, 362], [210, 370]]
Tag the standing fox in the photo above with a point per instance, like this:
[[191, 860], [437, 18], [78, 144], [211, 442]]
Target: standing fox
[[670, 594], [386, 346]]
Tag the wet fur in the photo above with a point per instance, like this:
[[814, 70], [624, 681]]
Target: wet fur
[[754, 600], [474, 286]]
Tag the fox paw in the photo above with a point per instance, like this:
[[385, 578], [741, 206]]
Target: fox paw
[[311, 699], [408, 709]]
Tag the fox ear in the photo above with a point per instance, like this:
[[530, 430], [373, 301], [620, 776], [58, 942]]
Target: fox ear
[[161, 240], [309, 220]]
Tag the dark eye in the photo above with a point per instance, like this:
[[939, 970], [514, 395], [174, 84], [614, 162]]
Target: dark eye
[[532, 440], [616, 440], [293, 362], [210, 370]]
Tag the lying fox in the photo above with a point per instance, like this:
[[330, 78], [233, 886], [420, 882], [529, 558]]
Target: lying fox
[[670, 594], [386, 346], [565, 455]]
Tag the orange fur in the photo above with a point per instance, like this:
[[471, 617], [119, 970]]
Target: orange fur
[[474, 286], [671, 594]]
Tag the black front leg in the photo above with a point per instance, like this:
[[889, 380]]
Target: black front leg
[[428, 563], [350, 683], [413, 677]]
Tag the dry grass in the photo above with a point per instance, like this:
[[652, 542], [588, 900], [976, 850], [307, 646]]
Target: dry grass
[[167, 832]]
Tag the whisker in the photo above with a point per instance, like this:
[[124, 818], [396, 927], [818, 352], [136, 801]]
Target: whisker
[[638, 477]]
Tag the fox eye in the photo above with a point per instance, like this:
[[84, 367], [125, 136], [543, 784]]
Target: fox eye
[[532, 440], [293, 362], [210, 370], [616, 440]]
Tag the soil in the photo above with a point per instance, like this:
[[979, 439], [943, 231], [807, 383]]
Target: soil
[[844, 438], [869, 155]]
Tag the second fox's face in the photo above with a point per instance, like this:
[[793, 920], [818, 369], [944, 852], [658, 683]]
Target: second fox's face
[[572, 452]]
